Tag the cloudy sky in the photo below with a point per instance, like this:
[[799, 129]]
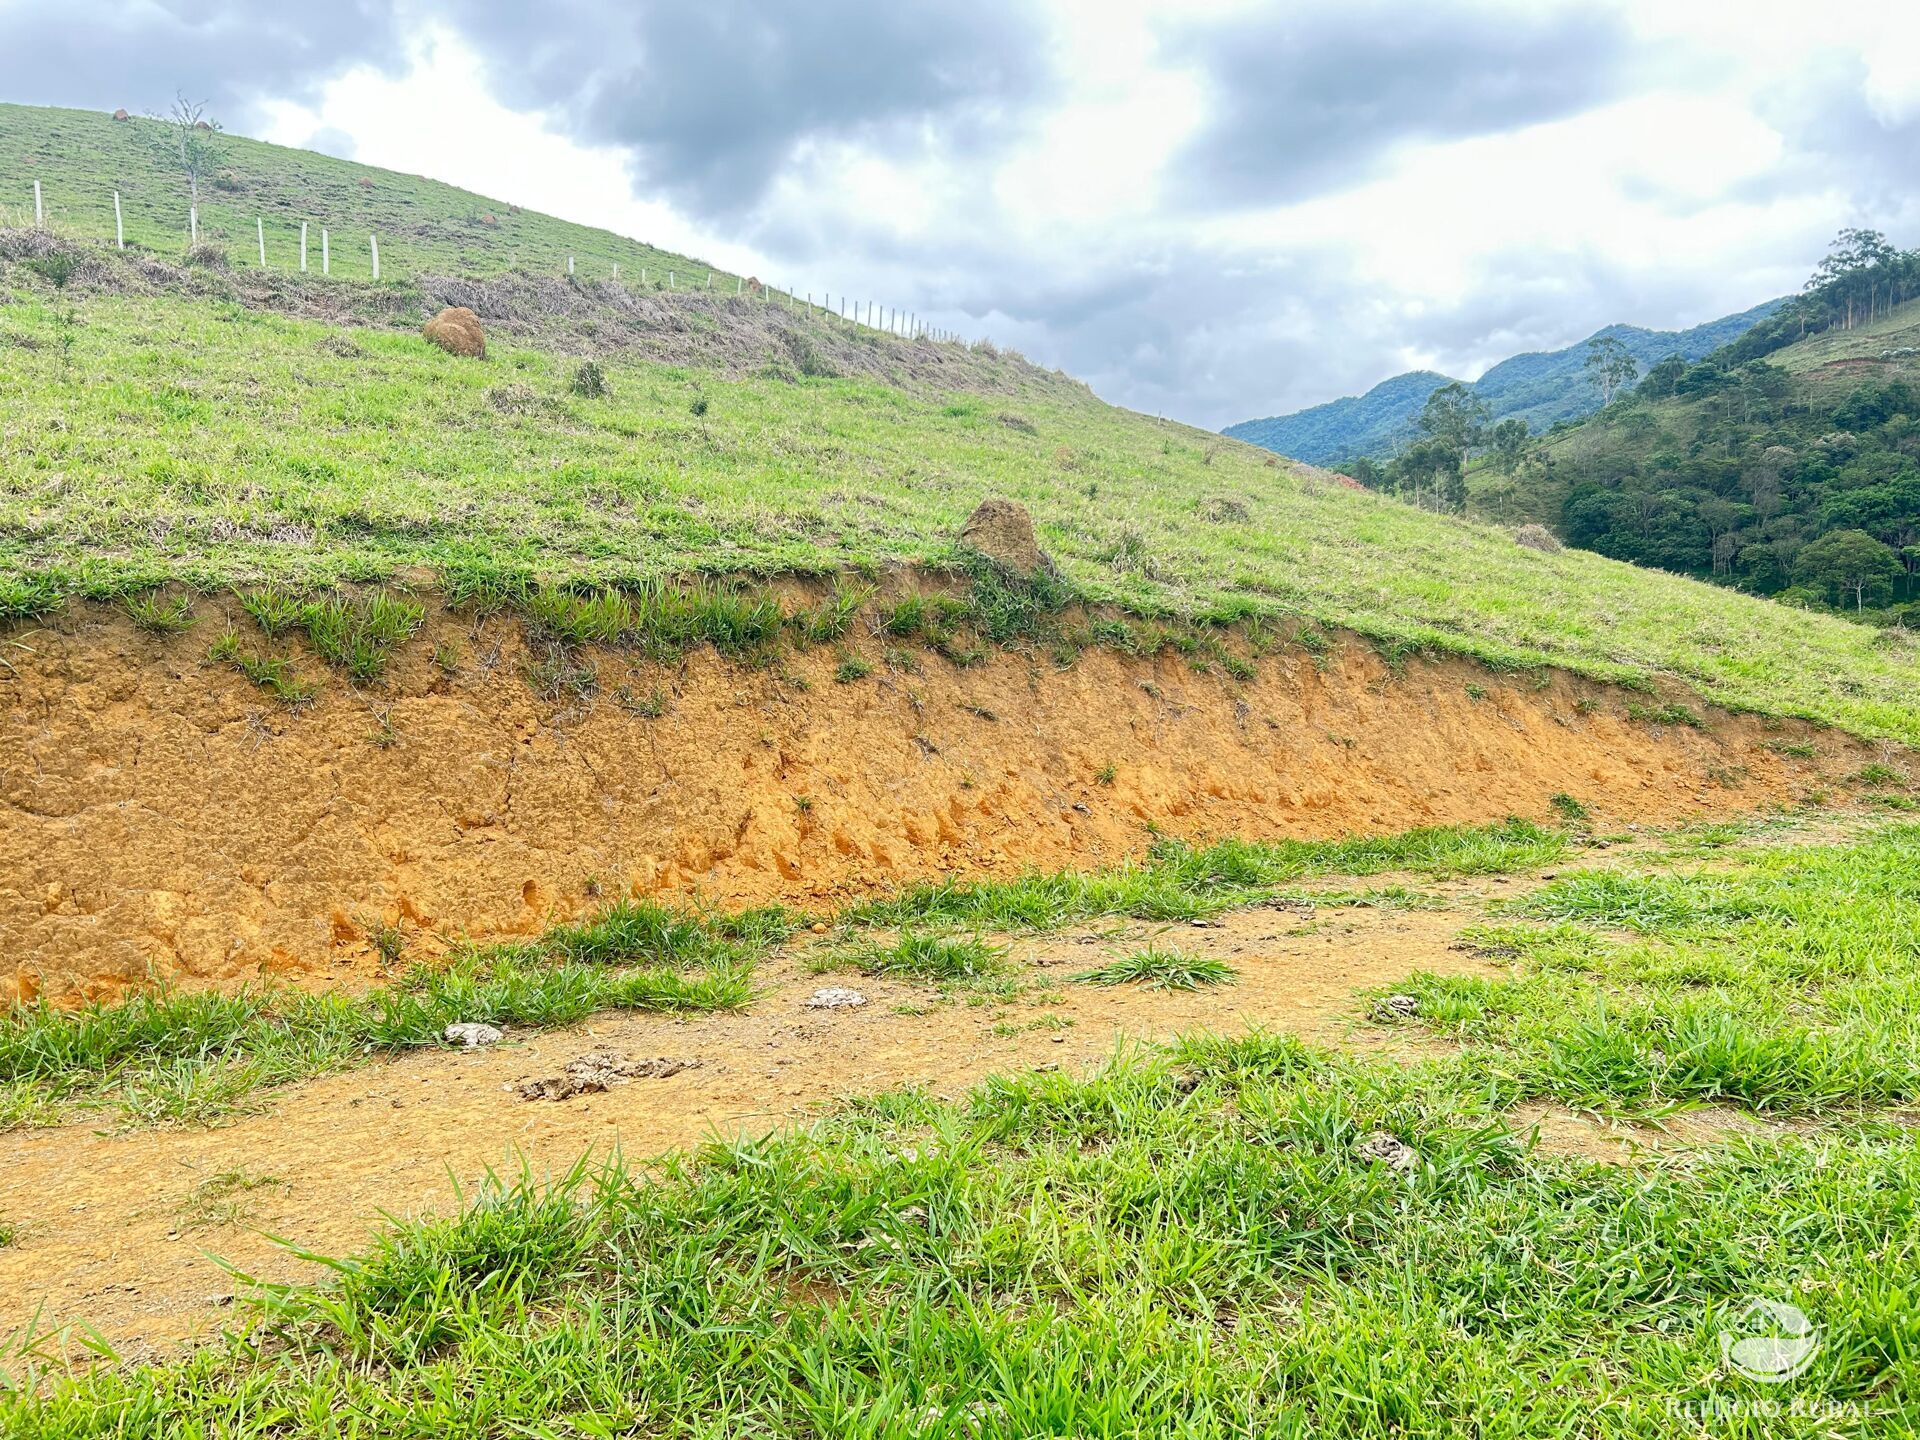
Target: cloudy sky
[[1209, 210]]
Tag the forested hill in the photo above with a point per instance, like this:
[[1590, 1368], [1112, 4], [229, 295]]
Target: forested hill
[[1540, 388], [1793, 471]]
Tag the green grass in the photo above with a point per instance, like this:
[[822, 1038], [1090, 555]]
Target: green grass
[[160, 617], [81, 157], [1182, 882], [913, 956], [1161, 968], [1200, 1240], [1781, 979], [196, 1056], [200, 441], [1187, 1244]]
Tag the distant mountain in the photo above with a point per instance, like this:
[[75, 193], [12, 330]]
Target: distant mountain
[[1540, 387]]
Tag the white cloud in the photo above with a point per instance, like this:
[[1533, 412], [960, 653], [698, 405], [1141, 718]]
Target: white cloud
[[1704, 176]]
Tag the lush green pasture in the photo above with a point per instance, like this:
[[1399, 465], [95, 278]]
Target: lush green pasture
[[145, 439], [1227, 1237], [80, 157]]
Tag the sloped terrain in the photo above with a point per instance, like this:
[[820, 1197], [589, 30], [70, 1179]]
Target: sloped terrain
[[1541, 388], [81, 157], [1730, 471], [150, 438]]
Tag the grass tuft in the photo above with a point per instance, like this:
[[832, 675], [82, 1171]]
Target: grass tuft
[[160, 617], [1161, 968]]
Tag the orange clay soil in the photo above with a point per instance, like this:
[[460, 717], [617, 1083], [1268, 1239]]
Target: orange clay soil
[[113, 1236], [163, 819]]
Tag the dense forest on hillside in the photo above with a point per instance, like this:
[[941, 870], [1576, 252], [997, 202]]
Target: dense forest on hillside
[[1786, 462]]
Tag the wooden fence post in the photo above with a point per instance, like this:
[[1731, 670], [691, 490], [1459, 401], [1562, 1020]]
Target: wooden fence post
[[260, 234], [39, 214], [326, 254], [373, 243], [119, 226], [303, 247]]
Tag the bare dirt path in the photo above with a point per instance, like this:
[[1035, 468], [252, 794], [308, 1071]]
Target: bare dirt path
[[118, 1230]]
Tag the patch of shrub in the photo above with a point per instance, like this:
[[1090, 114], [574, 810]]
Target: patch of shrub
[[589, 380]]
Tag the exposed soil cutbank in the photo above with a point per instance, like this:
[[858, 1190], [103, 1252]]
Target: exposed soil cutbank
[[161, 818]]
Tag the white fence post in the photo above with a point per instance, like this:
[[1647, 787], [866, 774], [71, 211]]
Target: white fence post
[[569, 265], [193, 224], [326, 255], [373, 243], [303, 247], [616, 270], [669, 279], [39, 214], [260, 234], [739, 285], [119, 227], [709, 280]]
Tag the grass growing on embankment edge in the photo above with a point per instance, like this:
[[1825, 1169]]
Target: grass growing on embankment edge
[[146, 439], [194, 1057]]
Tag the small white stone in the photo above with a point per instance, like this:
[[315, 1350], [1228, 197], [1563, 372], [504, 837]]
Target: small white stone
[[470, 1035], [835, 997]]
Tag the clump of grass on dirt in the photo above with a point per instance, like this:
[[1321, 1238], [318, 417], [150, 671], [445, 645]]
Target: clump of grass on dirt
[[913, 955], [272, 673], [1161, 967], [160, 617], [359, 633]]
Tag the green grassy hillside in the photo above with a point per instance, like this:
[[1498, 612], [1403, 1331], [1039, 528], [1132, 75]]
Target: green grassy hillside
[[80, 157], [160, 436], [1731, 470]]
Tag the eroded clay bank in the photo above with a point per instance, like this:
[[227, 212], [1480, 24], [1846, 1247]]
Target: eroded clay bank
[[163, 819]]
